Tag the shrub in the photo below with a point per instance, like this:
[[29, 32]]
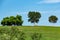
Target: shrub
[[36, 36]]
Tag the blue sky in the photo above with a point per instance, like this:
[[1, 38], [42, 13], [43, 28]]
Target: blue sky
[[22, 7]]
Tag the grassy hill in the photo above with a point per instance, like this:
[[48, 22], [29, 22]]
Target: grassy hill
[[47, 32]]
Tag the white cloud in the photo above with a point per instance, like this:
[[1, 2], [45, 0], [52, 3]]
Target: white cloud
[[49, 1]]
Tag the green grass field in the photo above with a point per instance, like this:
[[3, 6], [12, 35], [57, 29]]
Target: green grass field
[[47, 32]]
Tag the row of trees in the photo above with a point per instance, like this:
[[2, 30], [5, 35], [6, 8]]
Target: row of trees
[[33, 18]]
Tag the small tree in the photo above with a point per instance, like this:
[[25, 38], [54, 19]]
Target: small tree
[[34, 17], [53, 19]]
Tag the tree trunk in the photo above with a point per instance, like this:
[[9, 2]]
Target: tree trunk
[[34, 24]]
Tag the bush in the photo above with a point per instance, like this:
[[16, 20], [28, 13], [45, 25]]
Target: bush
[[36, 36]]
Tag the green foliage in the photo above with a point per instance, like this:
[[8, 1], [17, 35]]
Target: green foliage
[[19, 17], [4, 37], [34, 17], [17, 33], [53, 19], [12, 33], [9, 21], [6, 21], [36, 36]]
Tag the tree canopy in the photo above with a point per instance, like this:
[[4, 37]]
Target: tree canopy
[[9, 21], [53, 19], [34, 17]]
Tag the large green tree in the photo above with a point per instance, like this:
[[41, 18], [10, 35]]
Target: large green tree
[[53, 19], [34, 17], [12, 20]]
